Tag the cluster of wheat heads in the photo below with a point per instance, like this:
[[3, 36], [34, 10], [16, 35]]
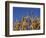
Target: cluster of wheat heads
[[31, 24]]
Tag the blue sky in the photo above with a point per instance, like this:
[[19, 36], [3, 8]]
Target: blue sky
[[18, 12]]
